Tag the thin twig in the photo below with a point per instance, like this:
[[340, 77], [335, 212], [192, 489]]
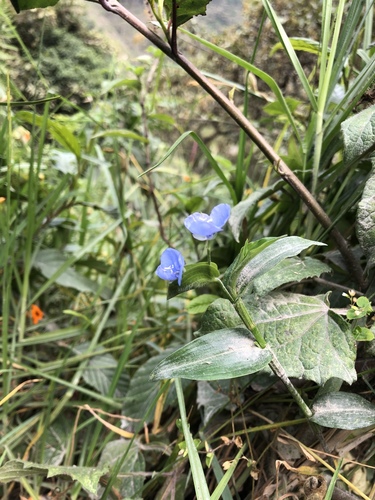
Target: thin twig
[[280, 166]]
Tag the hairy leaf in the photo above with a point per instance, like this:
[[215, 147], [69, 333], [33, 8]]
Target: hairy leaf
[[308, 339], [366, 220], [288, 271], [343, 410], [359, 134], [222, 354]]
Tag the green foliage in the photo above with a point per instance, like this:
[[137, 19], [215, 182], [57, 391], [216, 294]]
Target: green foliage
[[98, 367]]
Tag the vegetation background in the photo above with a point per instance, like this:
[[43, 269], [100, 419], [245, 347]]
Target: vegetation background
[[84, 319]]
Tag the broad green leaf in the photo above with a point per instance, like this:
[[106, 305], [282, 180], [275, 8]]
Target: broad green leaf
[[61, 133], [195, 276], [88, 477], [246, 267], [222, 354], [248, 252], [130, 478], [199, 304], [220, 314], [100, 371], [210, 399], [302, 44], [122, 133], [359, 134], [57, 440], [49, 261], [308, 339], [366, 220], [32, 4], [289, 270], [343, 410], [246, 207], [142, 391], [186, 9]]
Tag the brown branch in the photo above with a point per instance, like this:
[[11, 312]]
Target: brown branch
[[280, 166]]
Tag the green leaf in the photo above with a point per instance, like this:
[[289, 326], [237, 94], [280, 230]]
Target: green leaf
[[57, 440], [32, 4], [222, 354], [100, 371], [130, 478], [366, 220], [299, 43], [359, 134], [49, 261], [343, 410], [88, 477], [142, 391], [220, 314], [248, 252], [289, 270], [250, 264], [195, 276], [308, 339], [186, 9], [123, 133], [61, 133], [363, 334], [211, 399], [199, 304]]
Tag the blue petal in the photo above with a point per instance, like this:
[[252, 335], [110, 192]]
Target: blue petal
[[201, 225], [220, 214], [171, 265]]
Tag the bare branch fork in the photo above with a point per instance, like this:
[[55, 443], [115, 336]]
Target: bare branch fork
[[280, 166]]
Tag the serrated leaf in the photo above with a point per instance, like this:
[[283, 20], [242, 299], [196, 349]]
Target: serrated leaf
[[366, 220], [99, 375], [186, 9], [50, 260], [88, 477], [130, 478], [195, 276], [359, 134], [244, 208], [222, 354], [287, 271], [343, 410], [308, 339], [199, 304]]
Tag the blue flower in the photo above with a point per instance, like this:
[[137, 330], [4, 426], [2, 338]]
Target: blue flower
[[204, 226], [171, 265]]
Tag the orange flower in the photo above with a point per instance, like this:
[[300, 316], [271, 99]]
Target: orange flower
[[36, 314]]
